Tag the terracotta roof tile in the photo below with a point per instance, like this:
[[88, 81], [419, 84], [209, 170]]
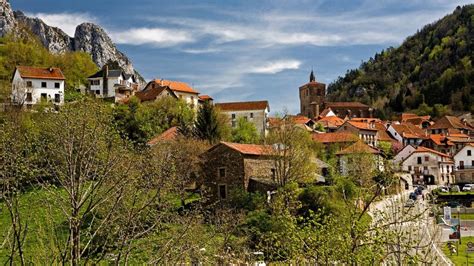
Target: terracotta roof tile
[[170, 134], [439, 139], [152, 93], [362, 125], [447, 122], [331, 121], [250, 149], [41, 72], [335, 137], [205, 97], [424, 149], [408, 130], [358, 147], [242, 106], [175, 85], [300, 119], [382, 132]]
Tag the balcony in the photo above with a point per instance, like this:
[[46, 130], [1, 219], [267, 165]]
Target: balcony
[[467, 167]]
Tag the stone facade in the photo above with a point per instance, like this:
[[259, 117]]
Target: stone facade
[[312, 96], [226, 169]]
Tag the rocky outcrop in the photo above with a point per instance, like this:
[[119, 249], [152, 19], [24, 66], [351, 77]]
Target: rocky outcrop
[[7, 18], [89, 38], [54, 39], [92, 39]]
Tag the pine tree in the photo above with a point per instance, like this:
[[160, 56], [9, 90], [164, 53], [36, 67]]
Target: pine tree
[[207, 124]]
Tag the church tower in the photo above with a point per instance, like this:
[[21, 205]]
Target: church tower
[[312, 97]]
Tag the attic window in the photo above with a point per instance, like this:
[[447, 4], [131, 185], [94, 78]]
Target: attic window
[[56, 85], [43, 84], [469, 152], [29, 84], [222, 172]]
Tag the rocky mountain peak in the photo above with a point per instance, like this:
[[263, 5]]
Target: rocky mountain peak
[[93, 39], [89, 38], [7, 19]]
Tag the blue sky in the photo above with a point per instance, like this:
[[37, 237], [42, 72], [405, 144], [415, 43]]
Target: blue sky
[[246, 50]]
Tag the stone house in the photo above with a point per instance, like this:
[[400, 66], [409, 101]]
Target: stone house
[[464, 164], [230, 166], [30, 85], [155, 93], [255, 112], [335, 140], [354, 154], [181, 89]]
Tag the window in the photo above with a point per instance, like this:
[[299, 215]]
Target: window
[[95, 82], [43, 84], [409, 168], [427, 158], [29, 97], [233, 116], [233, 123], [29, 84], [418, 160], [56, 85], [44, 96], [461, 164], [246, 118], [29, 106], [472, 162], [273, 174], [222, 191], [468, 152], [251, 115], [222, 172], [57, 98]]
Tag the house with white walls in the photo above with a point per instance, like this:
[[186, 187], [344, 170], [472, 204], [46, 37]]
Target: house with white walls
[[429, 167], [113, 83], [464, 164], [31, 85], [255, 112]]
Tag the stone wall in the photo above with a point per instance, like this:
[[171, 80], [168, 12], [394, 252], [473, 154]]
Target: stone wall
[[259, 167]]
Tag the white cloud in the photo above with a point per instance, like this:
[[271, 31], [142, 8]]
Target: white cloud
[[276, 67], [65, 21], [155, 36]]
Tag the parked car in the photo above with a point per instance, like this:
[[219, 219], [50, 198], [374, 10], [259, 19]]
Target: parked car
[[468, 187], [444, 189], [409, 203]]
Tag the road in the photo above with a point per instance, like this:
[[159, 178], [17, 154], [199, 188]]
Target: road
[[413, 233]]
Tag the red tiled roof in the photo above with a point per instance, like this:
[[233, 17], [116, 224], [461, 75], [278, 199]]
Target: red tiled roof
[[152, 93], [407, 130], [405, 116], [362, 125], [205, 97], [447, 122], [331, 121], [250, 149], [439, 139], [366, 119], [345, 104], [358, 147], [424, 149], [325, 112], [300, 119], [170, 134], [335, 137], [41, 72], [382, 132], [175, 85], [242, 106]]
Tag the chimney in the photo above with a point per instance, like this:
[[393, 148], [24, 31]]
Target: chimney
[[161, 82], [317, 111]]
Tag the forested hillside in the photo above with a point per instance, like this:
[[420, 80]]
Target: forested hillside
[[28, 51], [434, 66]]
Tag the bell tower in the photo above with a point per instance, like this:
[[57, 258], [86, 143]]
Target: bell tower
[[312, 97]]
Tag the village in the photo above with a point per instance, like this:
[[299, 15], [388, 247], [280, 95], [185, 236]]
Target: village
[[420, 150]]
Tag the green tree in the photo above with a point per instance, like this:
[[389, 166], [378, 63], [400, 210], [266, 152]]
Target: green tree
[[245, 132], [208, 125]]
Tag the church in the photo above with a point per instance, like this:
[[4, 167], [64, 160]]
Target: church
[[313, 103]]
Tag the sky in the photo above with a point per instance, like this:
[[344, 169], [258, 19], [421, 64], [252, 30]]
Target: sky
[[246, 50]]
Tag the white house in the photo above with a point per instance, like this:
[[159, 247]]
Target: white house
[[30, 85], [255, 112], [464, 164], [429, 166], [403, 153], [407, 134], [112, 83]]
